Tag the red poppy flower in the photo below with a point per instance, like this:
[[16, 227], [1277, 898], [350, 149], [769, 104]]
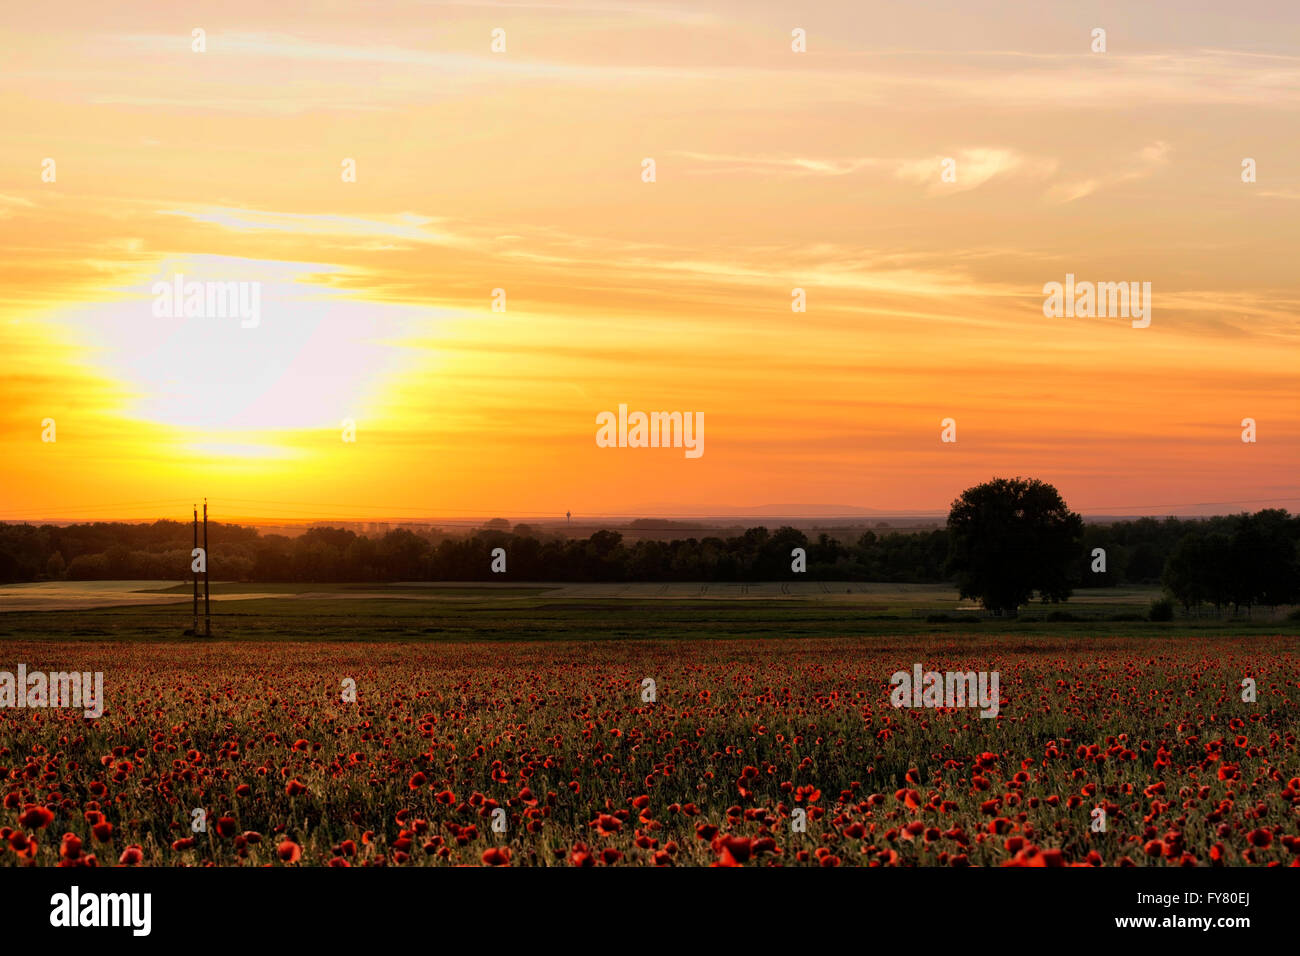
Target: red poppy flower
[[70, 848], [131, 856], [36, 817], [738, 848], [580, 857]]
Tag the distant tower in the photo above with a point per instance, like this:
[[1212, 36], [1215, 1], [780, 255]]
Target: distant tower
[[207, 607]]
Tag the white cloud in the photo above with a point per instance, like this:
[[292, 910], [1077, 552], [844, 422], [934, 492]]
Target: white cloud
[[1149, 160]]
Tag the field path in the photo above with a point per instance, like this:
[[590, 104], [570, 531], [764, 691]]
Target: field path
[[81, 595]]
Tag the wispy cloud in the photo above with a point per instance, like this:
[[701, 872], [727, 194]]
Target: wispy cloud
[[1149, 160], [974, 166], [453, 64], [666, 11], [790, 165], [405, 226], [9, 203]]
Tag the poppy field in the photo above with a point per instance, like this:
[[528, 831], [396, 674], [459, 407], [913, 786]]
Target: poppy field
[[658, 753]]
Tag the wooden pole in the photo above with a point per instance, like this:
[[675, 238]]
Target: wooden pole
[[195, 573], [207, 607]]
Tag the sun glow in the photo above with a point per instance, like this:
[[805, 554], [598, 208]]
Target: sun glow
[[386, 188]]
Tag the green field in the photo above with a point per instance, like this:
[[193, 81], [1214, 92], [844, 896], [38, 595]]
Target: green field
[[420, 612]]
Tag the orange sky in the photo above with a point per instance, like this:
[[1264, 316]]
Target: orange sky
[[521, 170]]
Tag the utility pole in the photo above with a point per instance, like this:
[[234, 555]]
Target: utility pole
[[195, 573], [207, 607]]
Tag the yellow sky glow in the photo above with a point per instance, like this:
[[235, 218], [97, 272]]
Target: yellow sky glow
[[521, 171]]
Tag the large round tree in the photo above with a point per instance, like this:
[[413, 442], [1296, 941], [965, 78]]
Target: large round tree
[[1010, 537]]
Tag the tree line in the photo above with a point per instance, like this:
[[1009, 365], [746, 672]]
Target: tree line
[[1236, 559]]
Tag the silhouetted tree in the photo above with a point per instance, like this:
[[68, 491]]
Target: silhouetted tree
[[1010, 537]]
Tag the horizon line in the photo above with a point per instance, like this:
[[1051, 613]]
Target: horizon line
[[470, 518]]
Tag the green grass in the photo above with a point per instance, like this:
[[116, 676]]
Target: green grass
[[539, 614], [484, 591]]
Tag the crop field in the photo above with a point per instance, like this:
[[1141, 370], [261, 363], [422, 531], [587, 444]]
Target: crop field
[[513, 730], [863, 597]]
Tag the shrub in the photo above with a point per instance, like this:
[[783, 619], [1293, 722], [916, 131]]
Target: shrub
[[1162, 609]]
